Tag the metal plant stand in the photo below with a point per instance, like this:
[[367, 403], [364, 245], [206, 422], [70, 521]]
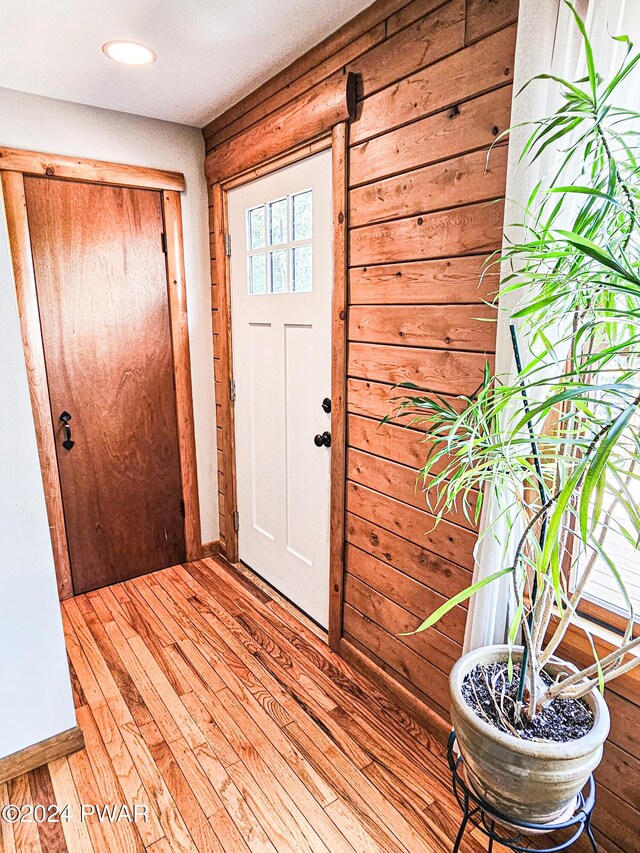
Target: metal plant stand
[[511, 833]]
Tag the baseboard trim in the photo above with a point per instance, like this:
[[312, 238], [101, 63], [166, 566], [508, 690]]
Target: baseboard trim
[[41, 753], [211, 549], [420, 712]]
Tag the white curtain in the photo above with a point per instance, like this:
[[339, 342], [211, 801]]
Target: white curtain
[[548, 42]]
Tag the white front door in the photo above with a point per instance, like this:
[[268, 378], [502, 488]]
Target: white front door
[[281, 284]]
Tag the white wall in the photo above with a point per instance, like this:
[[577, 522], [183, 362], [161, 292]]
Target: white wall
[[35, 691]]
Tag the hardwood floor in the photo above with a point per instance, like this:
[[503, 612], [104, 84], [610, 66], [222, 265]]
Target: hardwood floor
[[206, 699]]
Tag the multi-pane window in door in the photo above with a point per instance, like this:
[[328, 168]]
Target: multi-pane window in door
[[280, 245]]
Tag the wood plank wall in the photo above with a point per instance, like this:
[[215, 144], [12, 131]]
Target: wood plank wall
[[434, 91]]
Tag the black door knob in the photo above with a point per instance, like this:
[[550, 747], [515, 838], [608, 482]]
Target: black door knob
[[326, 405], [65, 417], [323, 440]]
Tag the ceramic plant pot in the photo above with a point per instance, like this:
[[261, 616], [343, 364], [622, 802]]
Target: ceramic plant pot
[[528, 781]]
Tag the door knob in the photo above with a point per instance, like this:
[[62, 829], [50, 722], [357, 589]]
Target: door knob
[[323, 440], [326, 405], [65, 417]]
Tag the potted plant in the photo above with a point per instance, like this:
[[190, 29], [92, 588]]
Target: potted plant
[[556, 448]]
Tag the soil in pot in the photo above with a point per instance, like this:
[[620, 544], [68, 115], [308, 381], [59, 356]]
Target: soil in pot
[[487, 690]]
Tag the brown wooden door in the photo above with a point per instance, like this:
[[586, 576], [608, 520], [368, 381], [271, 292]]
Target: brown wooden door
[[102, 295]]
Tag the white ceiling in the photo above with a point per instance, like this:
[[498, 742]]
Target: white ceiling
[[211, 53]]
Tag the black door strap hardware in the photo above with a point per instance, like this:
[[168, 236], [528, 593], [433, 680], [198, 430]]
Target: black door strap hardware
[[326, 405], [323, 440], [65, 417]]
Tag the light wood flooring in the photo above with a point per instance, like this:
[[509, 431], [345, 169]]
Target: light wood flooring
[[205, 698]]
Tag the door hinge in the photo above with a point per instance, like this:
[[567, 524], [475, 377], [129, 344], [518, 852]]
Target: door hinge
[[163, 237], [182, 512], [232, 390], [227, 245], [236, 521]]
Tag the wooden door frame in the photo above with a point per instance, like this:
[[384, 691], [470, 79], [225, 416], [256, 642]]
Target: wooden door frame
[[15, 165], [337, 141]]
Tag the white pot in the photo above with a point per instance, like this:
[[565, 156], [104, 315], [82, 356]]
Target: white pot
[[527, 781]]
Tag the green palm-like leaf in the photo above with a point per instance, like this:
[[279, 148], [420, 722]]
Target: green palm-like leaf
[[457, 599], [598, 463]]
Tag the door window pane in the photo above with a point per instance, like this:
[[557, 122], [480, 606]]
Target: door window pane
[[278, 221], [256, 228], [301, 216], [279, 272], [302, 269], [275, 263], [258, 273]]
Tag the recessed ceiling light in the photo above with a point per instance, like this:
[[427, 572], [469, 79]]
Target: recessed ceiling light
[[129, 52]]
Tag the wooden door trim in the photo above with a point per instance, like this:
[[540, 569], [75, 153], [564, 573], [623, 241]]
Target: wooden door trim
[[13, 195], [93, 171], [227, 417], [339, 337], [307, 117], [301, 152], [337, 141], [177, 293], [15, 206]]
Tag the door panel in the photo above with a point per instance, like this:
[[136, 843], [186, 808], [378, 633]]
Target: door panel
[[302, 421], [261, 432], [102, 295], [281, 284]]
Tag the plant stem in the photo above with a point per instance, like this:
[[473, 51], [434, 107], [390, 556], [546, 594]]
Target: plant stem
[[542, 490], [565, 620], [559, 688], [544, 509], [615, 672]]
